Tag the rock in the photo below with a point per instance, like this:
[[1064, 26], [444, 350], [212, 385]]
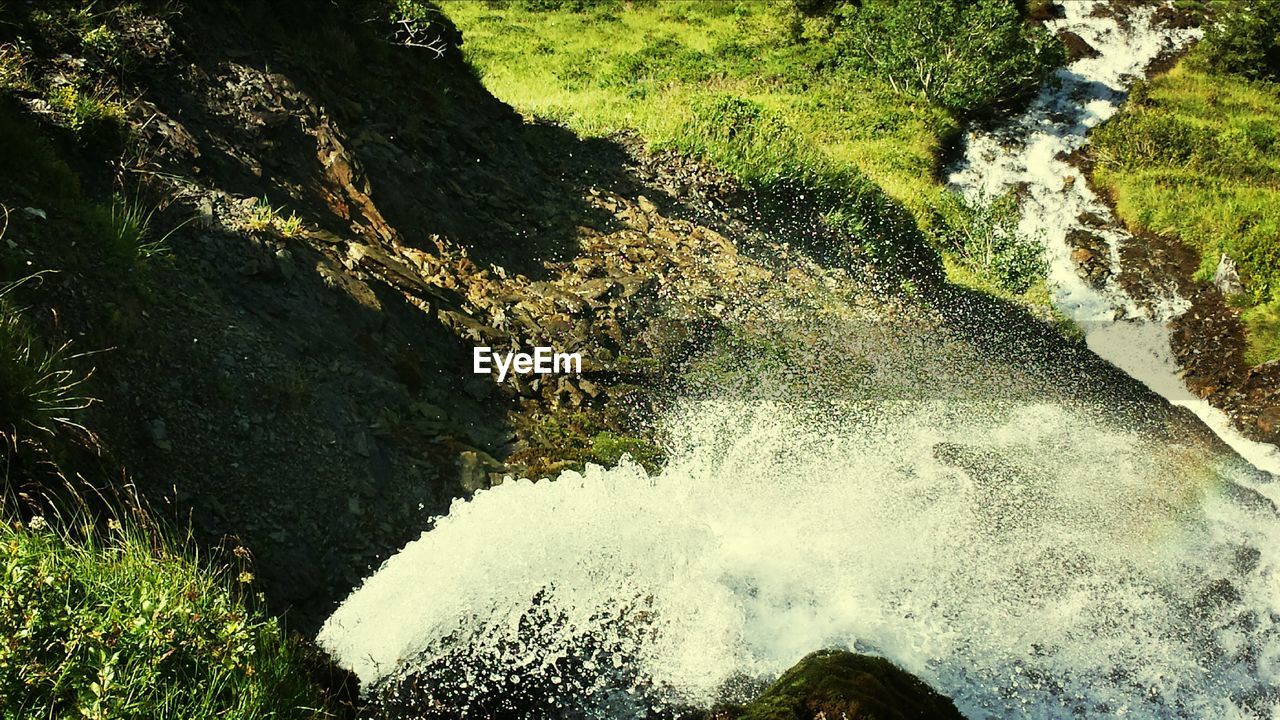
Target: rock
[[1269, 420], [475, 468], [838, 684], [159, 434], [1090, 254], [1227, 277], [1077, 47]]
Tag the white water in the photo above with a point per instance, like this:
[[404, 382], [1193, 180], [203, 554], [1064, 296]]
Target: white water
[[1028, 560], [1029, 152]]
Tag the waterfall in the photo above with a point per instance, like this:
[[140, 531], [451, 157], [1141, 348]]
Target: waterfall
[[1025, 561]]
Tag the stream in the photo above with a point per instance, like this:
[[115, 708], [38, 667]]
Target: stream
[[1026, 556], [1031, 154]]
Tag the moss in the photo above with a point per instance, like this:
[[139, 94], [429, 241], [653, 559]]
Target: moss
[[569, 439], [839, 684]]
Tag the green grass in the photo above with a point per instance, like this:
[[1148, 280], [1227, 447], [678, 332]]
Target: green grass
[[127, 628], [644, 67], [1197, 157]]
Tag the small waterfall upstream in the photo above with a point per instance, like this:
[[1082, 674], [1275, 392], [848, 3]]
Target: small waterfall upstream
[[1026, 557], [1031, 154]]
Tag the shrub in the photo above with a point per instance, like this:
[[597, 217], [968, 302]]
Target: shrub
[[1244, 38], [984, 235], [127, 628], [1139, 137], [969, 57]]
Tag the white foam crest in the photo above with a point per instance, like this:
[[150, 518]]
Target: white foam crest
[[1026, 561]]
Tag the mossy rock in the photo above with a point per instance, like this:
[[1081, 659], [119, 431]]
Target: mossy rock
[[838, 684]]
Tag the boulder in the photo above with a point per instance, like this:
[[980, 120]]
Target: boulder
[[1226, 277], [835, 684], [1077, 47]]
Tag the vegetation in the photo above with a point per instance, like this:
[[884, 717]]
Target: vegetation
[[1197, 156], [126, 626], [263, 217], [802, 98], [1244, 39], [983, 235], [40, 391], [966, 57]]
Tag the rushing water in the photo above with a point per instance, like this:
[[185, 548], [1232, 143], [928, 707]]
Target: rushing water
[[1024, 561], [1031, 154], [1027, 558]]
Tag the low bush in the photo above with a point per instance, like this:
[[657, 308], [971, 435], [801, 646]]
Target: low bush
[[1244, 38], [984, 236]]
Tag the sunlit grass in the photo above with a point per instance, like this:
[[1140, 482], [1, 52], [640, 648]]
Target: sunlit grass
[[589, 71], [1198, 158], [122, 625]]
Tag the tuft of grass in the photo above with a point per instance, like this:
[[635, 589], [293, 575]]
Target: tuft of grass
[[125, 229], [291, 226], [123, 625], [40, 390], [262, 217], [13, 69], [1199, 159], [131, 228]]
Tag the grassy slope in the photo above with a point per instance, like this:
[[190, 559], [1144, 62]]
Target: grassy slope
[[641, 68], [130, 628], [1198, 158], [650, 67]]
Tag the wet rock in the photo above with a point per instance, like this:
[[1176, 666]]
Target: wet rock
[[1090, 254], [1093, 220], [1045, 11], [839, 684], [1077, 47], [476, 469]]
